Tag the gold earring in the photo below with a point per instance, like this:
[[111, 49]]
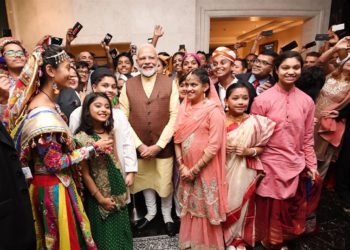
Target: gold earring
[[55, 88]]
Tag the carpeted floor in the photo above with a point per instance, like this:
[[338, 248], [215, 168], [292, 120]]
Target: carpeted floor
[[161, 242], [333, 230]]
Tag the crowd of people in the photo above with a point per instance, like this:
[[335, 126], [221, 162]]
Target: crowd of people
[[241, 146]]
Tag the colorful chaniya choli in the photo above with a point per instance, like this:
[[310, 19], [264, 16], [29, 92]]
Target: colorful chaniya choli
[[48, 149]]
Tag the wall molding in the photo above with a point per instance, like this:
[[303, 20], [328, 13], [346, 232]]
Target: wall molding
[[203, 16]]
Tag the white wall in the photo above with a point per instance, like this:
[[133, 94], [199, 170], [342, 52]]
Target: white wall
[[133, 21], [184, 21], [32, 19], [128, 21]]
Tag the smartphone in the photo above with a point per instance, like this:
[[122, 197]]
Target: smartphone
[[133, 49], [107, 38], [182, 47], [290, 46], [114, 53], [6, 32], [267, 33], [150, 40], [338, 27], [322, 37], [56, 41], [76, 28], [310, 45]]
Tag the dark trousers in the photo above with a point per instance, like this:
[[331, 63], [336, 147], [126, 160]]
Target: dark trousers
[[343, 169]]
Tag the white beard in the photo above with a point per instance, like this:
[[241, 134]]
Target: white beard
[[148, 73]]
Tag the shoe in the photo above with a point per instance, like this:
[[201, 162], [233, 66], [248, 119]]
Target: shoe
[[170, 229], [346, 210], [140, 224]]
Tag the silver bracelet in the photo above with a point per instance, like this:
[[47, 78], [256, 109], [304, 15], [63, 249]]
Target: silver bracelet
[[255, 152]]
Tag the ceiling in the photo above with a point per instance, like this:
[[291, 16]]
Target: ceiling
[[227, 31]]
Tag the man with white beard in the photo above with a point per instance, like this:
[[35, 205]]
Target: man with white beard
[[150, 101]]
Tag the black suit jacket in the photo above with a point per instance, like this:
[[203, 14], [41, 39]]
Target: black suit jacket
[[68, 101], [16, 219], [245, 78], [252, 92]]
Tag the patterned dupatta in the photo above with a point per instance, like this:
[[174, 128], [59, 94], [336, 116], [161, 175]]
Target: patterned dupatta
[[26, 87], [103, 169]]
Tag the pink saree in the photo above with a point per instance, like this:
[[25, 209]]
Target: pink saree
[[242, 177], [201, 128]]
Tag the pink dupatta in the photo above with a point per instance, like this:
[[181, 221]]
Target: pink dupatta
[[187, 122]]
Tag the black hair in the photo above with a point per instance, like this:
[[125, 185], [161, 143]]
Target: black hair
[[282, 57], [86, 124], [48, 59], [183, 77], [100, 73], [311, 81], [201, 52], [271, 53], [80, 84], [81, 64], [203, 76], [178, 53], [12, 42], [247, 86], [124, 54], [163, 54], [71, 55], [204, 54], [251, 54], [92, 54], [313, 54], [244, 62]]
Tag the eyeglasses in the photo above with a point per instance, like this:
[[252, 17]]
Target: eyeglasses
[[83, 72], [13, 53], [258, 61]]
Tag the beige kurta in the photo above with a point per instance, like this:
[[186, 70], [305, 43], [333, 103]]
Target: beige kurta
[[155, 174]]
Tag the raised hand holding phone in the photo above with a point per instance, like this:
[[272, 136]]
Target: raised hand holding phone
[[107, 39], [76, 29]]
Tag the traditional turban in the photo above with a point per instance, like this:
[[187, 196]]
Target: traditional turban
[[225, 52]]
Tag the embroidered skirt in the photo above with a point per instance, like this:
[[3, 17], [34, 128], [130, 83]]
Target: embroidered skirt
[[60, 220]]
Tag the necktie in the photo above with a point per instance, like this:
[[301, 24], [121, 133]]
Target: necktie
[[256, 83]]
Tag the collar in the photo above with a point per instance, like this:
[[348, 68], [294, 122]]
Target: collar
[[222, 87], [283, 91], [149, 79]]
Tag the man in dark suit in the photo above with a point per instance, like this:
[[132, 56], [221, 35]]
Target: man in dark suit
[[260, 77], [68, 100], [16, 219]]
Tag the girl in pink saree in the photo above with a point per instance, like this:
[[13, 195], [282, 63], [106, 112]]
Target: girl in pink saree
[[200, 150], [246, 137]]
